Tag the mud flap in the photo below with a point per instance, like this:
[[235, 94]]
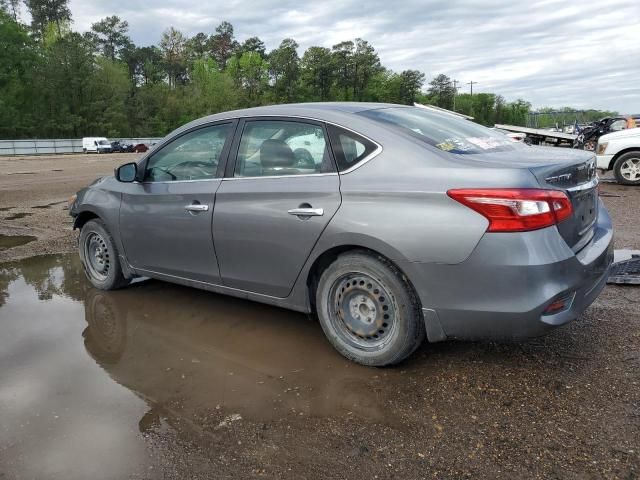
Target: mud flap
[[435, 333]]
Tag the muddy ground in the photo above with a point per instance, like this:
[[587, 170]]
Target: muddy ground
[[161, 381]]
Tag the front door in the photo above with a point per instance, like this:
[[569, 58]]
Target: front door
[[165, 220], [278, 197]]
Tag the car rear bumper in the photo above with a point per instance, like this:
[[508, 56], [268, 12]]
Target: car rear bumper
[[503, 289]]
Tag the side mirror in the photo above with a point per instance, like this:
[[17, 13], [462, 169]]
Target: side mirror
[[127, 173]]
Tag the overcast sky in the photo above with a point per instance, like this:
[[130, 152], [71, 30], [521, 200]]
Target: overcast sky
[[552, 53]]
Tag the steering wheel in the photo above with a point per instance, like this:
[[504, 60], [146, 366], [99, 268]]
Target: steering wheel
[[303, 158]]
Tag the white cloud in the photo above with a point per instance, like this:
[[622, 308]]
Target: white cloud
[[550, 52]]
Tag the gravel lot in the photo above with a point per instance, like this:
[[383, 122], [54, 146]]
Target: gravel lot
[[195, 385]]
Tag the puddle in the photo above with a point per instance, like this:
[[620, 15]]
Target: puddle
[[87, 374], [16, 216], [10, 241], [620, 255]]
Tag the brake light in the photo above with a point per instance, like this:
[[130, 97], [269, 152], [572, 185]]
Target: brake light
[[516, 209]]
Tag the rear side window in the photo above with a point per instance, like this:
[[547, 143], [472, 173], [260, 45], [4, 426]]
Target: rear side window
[[349, 148], [278, 147]]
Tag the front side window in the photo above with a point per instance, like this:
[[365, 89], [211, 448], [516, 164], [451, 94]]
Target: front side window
[[444, 131], [278, 147], [193, 156]]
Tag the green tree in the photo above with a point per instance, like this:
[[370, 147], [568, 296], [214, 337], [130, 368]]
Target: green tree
[[284, 69], [62, 88], [173, 47], [317, 73], [111, 37], [19, 59], [108, 91], [342, 60], [222, 44], [197, 46], [252, 44], [411, 82], [441, 91], [149, 67], [365, 64], [250, 74], [210, 90], [44, 12]]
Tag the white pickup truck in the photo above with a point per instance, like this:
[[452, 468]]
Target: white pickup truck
[[620, 152]]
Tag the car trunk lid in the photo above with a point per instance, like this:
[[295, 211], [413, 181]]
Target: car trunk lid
[[579, 181]]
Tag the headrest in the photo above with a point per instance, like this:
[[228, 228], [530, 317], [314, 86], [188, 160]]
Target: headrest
[[276, 153]]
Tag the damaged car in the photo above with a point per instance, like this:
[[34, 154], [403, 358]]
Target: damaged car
[[393, 224]]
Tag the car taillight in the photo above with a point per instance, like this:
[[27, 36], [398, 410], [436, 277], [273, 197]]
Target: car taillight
[[516, 209]]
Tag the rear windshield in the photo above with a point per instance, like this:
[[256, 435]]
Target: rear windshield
[[444, 131]]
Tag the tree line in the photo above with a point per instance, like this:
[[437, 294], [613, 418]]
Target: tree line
[[56, 82]]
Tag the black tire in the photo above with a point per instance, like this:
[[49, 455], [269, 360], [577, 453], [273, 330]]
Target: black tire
[[105, 337], [99, 256], [624, 162], [368, 310]]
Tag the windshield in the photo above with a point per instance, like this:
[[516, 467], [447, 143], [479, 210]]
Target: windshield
[[446, 132], [103, 142]]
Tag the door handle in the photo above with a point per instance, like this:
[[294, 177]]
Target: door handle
[[196, 207], [306, 212]]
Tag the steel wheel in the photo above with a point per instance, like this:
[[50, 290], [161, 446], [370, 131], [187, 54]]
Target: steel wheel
[[96, 254], [630, 169], [362, 312]]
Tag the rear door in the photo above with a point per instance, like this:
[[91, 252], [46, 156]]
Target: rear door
[[165, 220], [279, 193]]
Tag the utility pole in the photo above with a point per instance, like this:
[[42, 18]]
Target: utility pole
[[455, 92], [472, 83]]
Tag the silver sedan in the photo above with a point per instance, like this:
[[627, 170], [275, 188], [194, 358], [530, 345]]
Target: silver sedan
[[391, 223]]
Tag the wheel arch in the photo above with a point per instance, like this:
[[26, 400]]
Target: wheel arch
[[83, 217], [329, 255], [620, 153]]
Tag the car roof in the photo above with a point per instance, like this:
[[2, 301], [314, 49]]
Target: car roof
[[323, 111]]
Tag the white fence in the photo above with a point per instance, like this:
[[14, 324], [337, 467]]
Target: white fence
[[53, 146]]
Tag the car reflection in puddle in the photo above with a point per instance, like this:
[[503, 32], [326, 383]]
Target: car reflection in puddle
[[182, 354], [173, 344]]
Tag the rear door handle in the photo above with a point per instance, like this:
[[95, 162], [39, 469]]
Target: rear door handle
[[306, 212], [196, 207]]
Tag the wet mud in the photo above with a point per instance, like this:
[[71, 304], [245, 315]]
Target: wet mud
[[163, 381]]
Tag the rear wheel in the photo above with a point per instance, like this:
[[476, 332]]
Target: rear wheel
[[367, 310], [627, 168], [100, 257]]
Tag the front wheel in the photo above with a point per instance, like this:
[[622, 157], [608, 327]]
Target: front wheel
[[627, 168], [99, 256], [368, 311]]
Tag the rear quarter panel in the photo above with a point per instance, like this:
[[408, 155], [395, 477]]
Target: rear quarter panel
[[399, 199]]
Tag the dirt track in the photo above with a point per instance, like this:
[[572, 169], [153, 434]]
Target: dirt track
[[248, 391], [39, 188]]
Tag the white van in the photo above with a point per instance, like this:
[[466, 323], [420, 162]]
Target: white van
[[96, 144]]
